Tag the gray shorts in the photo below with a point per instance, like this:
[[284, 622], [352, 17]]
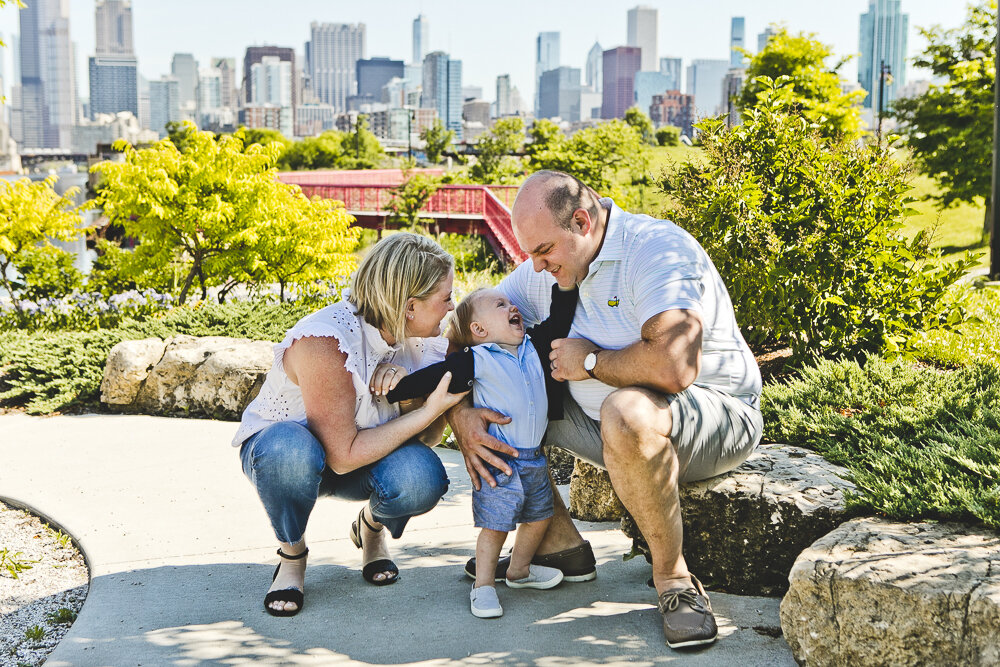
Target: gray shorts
[[712, 432], [524, 496]]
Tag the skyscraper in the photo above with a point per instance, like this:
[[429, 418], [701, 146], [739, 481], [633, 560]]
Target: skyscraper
[[443, 89], [882, 41], [504, 106], [671, 67], [164, 103], [421, 38], [704, 83], [737, 32], [620, 66], [184, 68], [48, 100], [546, 58], [559, 94], [643, 29], [227, 70], [113, 25], [114, 84], [256, 54], [595, 68], [374, 73], [764, 37], [334, 51], [648, 84]]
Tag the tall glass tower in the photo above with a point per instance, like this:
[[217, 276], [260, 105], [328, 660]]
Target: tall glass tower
[[882, 42]]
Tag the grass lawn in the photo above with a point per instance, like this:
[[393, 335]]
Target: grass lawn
[[956, 229]]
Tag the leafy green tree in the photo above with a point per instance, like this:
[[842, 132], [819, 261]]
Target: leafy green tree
[[30, 215], [48, 272], [806, 233], [496, 153], [323, 152], [949, 129], [409, 198], [668, 135], [263, 136], [362, 149], [213, 210], [816, 87], [544, 135], [635, 117], [595, 155], [436, 140]]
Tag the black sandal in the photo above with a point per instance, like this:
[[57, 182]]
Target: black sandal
[[293, 595], [381, 565]]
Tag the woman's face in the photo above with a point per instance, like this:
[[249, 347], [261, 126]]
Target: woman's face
[[423, 316]]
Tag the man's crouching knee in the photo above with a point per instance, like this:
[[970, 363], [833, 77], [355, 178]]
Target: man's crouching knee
[[635, 421]]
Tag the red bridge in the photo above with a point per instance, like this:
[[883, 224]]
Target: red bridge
[[464, 209]]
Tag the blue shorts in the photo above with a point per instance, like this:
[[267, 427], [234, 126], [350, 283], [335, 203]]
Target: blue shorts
[[523, 496]]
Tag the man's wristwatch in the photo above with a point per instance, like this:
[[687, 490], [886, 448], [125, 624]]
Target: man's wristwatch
[[590, 363]]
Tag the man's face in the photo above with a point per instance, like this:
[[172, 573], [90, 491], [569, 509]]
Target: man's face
[[562, 252]]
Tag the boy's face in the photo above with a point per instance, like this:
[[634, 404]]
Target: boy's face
[[496, 320]]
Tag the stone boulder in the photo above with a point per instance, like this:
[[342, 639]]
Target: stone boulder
[[874, 592], [591, 496], [209, 376], [744, 529]]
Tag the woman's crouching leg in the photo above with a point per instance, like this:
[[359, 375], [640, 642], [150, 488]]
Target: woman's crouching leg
[[285, 463], [408, 482]]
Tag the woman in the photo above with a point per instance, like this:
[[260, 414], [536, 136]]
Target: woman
[[321, 425]]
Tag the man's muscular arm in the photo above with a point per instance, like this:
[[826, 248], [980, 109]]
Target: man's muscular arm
[[666, 358]]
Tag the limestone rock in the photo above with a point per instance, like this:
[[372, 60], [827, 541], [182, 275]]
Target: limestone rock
[[208, 376], [874, 592], [127, 367], [744, 529], [591, 496]]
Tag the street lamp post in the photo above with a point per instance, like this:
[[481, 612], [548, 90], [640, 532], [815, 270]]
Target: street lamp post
[[884, 71], [995, 210]]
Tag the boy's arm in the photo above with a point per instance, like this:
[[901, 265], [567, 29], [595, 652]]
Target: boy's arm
[[422, 382], [558, 323]]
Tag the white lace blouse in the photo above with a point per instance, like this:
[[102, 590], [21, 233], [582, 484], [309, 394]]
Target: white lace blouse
[[281, 400]]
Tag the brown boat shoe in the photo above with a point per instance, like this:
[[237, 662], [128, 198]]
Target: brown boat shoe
[[687, 616]]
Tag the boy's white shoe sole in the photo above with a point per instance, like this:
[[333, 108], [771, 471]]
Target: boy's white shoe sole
[[539, 576], [484, 603]]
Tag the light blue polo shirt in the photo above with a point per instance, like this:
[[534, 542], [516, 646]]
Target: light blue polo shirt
[[645, 267], [512, 385]]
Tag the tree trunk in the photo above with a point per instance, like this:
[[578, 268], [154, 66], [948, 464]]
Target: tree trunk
[[987, 220], [187, 286]]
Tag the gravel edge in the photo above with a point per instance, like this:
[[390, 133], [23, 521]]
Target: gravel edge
[[38, 606]]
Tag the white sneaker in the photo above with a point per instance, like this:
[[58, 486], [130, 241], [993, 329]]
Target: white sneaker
[[539, 576], [485, 603]]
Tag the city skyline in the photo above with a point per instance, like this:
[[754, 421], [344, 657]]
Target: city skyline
[[506, 47]]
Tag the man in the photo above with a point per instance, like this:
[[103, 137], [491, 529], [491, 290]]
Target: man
[[663, 388]]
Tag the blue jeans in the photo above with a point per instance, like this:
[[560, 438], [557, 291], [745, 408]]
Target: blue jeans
[[287, 465]]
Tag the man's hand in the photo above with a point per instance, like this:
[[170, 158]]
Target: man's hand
[[566, 358], [470, 426]]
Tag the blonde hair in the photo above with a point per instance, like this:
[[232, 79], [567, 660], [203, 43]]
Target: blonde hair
[[397, 268], [460, 326]]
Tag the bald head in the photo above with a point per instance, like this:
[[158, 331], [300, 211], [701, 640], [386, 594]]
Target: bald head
[[557, 193]]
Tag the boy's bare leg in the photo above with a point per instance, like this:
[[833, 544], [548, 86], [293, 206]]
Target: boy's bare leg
[[488, 548], [526, 541]]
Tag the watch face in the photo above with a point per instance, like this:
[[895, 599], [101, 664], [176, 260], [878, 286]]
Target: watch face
[[589, 362]]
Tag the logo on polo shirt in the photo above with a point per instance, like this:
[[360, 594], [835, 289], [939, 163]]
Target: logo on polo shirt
[[613, 302]]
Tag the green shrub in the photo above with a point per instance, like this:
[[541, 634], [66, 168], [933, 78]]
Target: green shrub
[[472, 253], [976, 340], [805, 232], [61, 615], [35, 633], [668, 135], [47, 272], [920, 443], [47, 372], [14, 563]]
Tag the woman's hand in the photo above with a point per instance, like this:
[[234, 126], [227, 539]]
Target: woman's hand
[[440, 399], [385, 378]]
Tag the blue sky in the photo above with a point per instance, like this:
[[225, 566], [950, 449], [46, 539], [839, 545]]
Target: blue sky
[[490, 38]]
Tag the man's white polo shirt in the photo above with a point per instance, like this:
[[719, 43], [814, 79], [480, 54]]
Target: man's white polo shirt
[[645, 267]]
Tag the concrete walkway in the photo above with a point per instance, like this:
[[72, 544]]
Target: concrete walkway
[[181, 554]]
